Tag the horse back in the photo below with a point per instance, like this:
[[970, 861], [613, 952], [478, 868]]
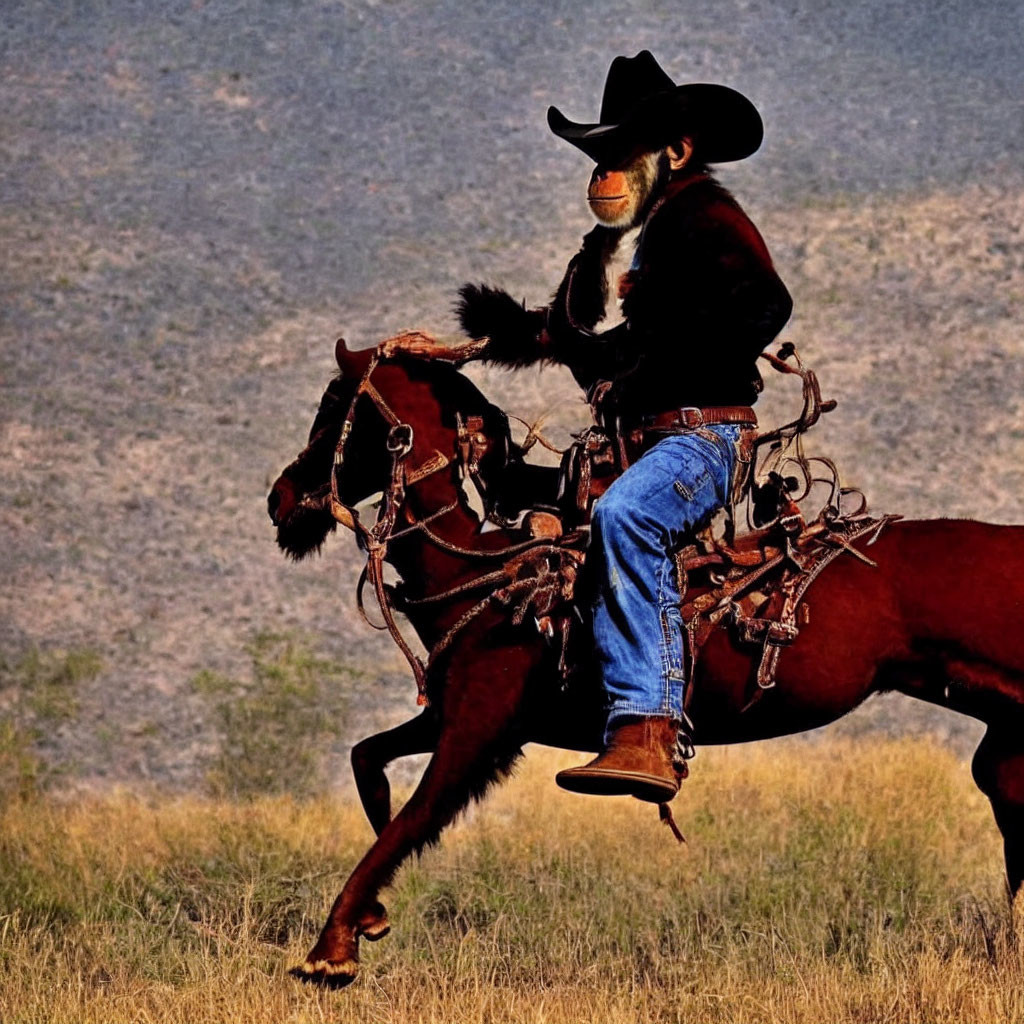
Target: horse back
[[940, 590]]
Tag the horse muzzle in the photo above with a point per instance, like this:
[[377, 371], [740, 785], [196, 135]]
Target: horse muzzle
[[280, 501]]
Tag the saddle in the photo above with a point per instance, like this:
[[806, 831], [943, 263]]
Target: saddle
[[757, 588], [751, 582]]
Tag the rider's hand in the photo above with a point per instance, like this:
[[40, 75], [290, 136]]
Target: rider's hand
[[413, 343], [421, 345]]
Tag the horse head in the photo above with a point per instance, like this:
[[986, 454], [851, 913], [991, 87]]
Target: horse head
[[368, 407]]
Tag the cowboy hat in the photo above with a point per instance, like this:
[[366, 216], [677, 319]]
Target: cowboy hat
[[643, 107]]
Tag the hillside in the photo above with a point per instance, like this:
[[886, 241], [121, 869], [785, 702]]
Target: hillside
[[197, 203]]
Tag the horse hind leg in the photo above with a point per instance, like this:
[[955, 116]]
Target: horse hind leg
[[998, 769], [993, 694]]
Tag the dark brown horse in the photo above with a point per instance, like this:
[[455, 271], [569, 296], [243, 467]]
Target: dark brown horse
[[938, 619]]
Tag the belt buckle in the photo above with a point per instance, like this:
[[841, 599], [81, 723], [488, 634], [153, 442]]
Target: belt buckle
[[691, 417]]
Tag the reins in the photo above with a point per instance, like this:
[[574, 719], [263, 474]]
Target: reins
[[376, 540]]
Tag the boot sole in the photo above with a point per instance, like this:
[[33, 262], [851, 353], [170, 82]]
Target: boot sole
[[650, 788]]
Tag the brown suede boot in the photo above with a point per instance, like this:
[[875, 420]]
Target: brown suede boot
[[637, 762]]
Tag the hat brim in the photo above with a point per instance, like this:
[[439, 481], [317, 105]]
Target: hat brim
[[723, 123]]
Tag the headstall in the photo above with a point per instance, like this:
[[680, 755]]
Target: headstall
[[470, 447]]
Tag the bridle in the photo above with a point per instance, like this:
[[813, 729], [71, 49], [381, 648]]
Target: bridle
[[376, 539]]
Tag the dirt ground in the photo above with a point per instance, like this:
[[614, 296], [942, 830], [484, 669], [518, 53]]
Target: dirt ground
[[197, 202]]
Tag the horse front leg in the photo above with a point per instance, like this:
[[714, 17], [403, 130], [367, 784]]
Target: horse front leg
[[476, 745], [369, 759], [371, 756]]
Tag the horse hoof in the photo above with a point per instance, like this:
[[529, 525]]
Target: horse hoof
[[326, 974], [374, 924], [377, 932]]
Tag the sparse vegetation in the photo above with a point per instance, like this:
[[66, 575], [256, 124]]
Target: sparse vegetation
[[277, 725], [37, 694], [20, 767], [840, 882], [47, 681]]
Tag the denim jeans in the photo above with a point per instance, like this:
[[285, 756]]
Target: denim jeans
[[644, 516]]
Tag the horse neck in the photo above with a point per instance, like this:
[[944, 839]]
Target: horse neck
[[438, 562], [430, 554]]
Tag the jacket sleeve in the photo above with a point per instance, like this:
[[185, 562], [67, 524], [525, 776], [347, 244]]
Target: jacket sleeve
[[561, 332], [515, 335], [753, 303]]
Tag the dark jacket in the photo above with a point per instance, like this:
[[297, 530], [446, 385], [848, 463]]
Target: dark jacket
[[704, 302]]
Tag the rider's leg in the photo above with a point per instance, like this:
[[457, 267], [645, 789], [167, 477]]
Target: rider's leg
[[638, 522]]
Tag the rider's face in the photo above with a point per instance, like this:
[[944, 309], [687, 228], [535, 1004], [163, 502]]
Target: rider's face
[[617, 194]]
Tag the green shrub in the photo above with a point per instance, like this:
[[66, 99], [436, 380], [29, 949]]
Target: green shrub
[[277, 726], [20, 767], [38, 692]]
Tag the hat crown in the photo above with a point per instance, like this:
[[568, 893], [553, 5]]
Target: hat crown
[[642, 108], [630, 81]]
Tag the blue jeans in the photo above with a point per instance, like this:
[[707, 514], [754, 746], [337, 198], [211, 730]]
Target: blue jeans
[[644, 516]]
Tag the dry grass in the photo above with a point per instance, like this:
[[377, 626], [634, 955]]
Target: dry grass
[[835, 882]]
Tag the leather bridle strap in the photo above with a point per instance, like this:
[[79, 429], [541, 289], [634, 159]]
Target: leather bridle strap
[[378, 400], [345, 514], [377, 539]]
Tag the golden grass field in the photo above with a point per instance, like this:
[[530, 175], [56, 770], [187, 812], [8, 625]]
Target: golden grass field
[[832, 881]]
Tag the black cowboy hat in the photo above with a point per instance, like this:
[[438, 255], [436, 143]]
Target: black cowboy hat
[[643, 107]]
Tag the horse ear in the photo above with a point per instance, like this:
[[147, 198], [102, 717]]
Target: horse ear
[[351, 364], [342, 354]]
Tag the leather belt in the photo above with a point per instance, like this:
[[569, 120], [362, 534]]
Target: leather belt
[[692, 418]]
